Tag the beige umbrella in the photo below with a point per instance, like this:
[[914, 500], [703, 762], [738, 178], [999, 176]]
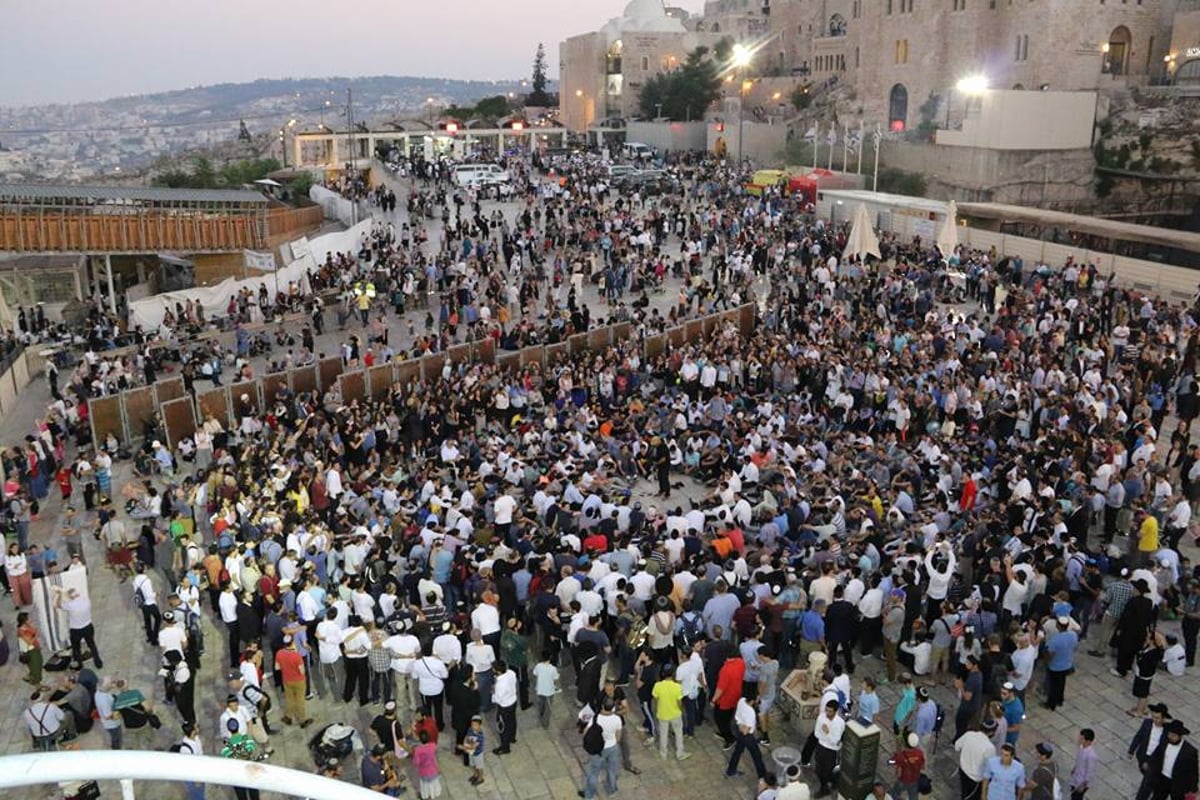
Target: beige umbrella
[[947, 238], [862, 241]]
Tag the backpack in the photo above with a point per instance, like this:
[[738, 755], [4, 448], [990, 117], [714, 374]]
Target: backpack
[[690, 629], [593, 739], [139, 598], [637, 632]]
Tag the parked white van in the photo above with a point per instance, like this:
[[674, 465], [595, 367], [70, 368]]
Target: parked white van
[[637, 150], [475, 174]]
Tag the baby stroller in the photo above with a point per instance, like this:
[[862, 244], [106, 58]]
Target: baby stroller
[[334, 741]]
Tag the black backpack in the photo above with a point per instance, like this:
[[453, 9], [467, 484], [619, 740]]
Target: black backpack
[[593, 739]]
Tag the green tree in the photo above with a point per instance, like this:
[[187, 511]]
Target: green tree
[[684, 93], [492, 107], [538, 96]]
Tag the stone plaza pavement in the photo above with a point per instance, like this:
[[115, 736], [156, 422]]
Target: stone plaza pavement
[[545, 764]]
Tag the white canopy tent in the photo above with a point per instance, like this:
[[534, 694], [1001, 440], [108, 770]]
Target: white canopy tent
[[947, 238], [862, 242]]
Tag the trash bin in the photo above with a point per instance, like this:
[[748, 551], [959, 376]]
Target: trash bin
[[784, 757]]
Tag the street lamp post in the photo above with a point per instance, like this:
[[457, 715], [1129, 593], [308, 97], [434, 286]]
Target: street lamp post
[[741, 58], [582, 114]]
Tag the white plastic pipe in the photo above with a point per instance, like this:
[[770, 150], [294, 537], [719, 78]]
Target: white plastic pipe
[[31, 769]]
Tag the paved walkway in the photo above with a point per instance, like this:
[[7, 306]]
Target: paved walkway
[[547, 764]]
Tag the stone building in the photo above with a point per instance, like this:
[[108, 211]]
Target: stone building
[[601, 73], [894, 55]]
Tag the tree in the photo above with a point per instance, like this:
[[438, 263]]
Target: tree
[[538, 96], [492, 107], [683, 93]]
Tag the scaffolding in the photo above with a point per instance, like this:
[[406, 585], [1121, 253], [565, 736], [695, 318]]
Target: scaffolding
[[111, 220]]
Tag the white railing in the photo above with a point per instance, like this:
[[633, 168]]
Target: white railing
[[32, 769]]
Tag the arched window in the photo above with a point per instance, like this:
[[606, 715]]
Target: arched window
[[1188, 72], [898, 107], [837, 25], [1116, 51]]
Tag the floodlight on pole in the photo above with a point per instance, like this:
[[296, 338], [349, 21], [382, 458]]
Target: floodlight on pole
[[973, 85]]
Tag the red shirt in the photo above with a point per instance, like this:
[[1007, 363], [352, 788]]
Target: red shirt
[[737, 539], [291, 665], [596, 543], [909, 763], [729, 681], [429, 725]]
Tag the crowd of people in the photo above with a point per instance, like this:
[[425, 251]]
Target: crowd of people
[[948, 498]]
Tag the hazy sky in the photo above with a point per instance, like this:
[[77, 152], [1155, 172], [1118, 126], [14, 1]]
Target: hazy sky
[[76, 50]]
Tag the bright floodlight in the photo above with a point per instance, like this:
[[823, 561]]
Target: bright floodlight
[[973, 84], [741, 56]]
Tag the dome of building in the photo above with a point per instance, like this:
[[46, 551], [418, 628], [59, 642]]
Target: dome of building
[[643, 16], [644, 9]]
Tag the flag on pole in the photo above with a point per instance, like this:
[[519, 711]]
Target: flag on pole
[[811, 135], [854, 139], [877, 136], [832, 136]]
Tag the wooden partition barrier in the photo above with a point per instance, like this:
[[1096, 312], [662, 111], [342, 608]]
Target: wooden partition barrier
[[408, 372], [140, 405], [125, 415], [249, 390], [168, 389], [380, 378], [271, 384], [179, 419], [107, 417], [304, 379], [328, 371], [353, 386]]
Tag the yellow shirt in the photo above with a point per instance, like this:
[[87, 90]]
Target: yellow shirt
[[668, 694], [1148, 535]]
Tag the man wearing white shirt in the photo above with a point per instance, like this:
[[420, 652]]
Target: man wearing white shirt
[[486, 619], [504, 695], [829, 729], [227, 604], [503, 508], [431, 675], [329, 650], [146, 598]]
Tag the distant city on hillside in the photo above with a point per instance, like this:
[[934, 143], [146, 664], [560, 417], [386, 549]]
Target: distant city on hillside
[[85, 141]]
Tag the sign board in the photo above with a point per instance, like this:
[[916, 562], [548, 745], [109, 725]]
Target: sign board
[[300, 249], [263, 262], [1192, 52]]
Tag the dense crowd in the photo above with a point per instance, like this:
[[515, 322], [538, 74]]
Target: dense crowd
[[965, 492]]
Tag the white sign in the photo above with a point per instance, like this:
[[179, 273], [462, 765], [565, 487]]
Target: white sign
[[263, 262], [1192, 52], [300, 249]]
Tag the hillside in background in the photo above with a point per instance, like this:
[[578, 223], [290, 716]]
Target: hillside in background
[[82, 141]]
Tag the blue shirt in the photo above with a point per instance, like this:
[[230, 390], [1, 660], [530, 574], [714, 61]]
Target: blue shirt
[[1062, 651], [1003, 782], [812, 626], [926, 718], [868, 706]]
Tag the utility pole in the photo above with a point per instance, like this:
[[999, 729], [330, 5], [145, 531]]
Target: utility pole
[[353, 150]]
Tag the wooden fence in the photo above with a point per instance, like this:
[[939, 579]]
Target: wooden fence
[[291, 222], [126, 415]]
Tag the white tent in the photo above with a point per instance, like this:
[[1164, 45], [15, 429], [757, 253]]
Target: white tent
[[947, 237], [863, 241]]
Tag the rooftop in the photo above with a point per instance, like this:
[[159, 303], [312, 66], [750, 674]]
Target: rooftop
[[46, 193]]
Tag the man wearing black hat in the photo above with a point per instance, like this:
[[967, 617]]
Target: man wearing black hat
[[1136, 618], [1174, 767], [1148, 735]]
